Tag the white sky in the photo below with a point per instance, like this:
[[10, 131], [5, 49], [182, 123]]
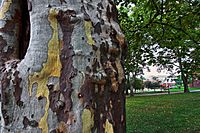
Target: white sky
[[153, 72]]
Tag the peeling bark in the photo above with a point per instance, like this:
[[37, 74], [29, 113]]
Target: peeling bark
[[61, 67], [68, 71]]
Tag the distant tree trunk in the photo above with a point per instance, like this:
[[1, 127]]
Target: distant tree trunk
[[185, 83], [183, 76], [128, 84], [134, 84], [61, 67], [193, 79], [132, 88]]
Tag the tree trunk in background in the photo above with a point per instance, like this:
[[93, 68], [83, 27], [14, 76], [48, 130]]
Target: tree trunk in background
[[70, 79], [184, 76], [128, 85], [185, 83]]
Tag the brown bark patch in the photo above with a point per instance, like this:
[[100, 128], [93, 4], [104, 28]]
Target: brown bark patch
[[11, 28], [18, 90], [5, 54], [97, 28], [27, 122], [19, 27], [6, 117], [62, 128], [114, 11], [118, 99], [86, 92], [7, 90], [56, 98], [68, 71]]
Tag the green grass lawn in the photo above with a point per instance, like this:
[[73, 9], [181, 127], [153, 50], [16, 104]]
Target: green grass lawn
[[171, 90], [182, 89], [177, 113]]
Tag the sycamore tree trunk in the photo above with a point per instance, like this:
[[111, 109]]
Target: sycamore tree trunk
[[61, 67]]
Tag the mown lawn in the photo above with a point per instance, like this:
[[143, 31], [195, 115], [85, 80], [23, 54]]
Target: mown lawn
[[171, 90], [177, 113], [182, 89]]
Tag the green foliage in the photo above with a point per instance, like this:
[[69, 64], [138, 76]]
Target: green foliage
[[138, 84], [177, 113], [152, 84], [181, 89], [163, 33]]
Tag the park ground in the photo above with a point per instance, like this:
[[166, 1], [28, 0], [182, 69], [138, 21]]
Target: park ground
[[163, 91], [177, 113]]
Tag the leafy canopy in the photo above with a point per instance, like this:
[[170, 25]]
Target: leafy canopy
[[161, 32]]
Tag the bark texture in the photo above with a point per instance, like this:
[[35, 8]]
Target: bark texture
[[61, 67]]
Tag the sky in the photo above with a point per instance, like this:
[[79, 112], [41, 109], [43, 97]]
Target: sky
[[153, 72]]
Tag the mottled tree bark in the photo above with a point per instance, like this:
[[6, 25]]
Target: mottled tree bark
[[61, 67]]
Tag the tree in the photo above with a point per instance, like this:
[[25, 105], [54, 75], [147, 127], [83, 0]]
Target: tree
[[180, 40], [152, 84], [135, 62], [61, 67], [169, 32], [138, 84]]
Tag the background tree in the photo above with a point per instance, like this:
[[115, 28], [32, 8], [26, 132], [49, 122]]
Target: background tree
[[168, 31], [180, 40], [152, 84], [147, 84], [135, 61], [61, 67], [138, 84]]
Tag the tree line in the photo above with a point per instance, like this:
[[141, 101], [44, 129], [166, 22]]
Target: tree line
[[164, 33]]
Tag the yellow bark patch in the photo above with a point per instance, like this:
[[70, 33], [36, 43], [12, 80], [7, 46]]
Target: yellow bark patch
[[114, 81], [121, 39], [87, 121], [50, 69], [4, 8], [120, 70], [108, 127], [62, 128], [88, 28]]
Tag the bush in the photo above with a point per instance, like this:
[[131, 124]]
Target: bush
[[152, 84], [138, 84]]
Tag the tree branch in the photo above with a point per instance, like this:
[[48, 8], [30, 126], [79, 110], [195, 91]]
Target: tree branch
[[178, 29]]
